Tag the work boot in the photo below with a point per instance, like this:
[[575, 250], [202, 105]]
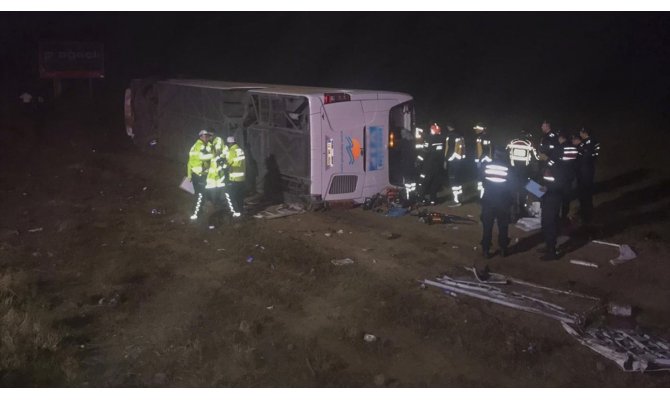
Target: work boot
[[485, 253], [454, 204]]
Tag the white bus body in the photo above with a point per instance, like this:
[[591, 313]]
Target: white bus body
[[320, 144]]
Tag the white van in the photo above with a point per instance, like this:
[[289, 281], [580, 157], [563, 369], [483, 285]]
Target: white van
[[319, 144]]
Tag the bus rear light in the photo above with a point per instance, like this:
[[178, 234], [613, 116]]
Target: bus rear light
[[329, 98], [391, 139]]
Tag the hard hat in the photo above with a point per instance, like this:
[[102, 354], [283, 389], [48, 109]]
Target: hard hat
[[230, 139], [204, 132], [480, 126], [435, 129]]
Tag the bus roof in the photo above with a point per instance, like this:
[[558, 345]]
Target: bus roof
[[284, 89]]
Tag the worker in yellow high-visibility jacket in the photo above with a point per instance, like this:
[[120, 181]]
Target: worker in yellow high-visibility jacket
[[218, 169], [236, 169], [199, 159]]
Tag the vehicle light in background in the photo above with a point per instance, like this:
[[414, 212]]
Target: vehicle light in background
[[329, 98], [391, 139], [418, 133]]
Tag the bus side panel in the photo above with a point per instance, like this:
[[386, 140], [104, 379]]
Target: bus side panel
[[342, 137], [317, 151]]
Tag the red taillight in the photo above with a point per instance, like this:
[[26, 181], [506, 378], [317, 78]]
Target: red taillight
[[329, 98], [391, 139]]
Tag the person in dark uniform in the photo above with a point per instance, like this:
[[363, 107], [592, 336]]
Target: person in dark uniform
[[553, 188], [567, 162], [454, 154], [587, 154], [521, 154], [496, 202], [483, 153], [548, 146], [433, 168]]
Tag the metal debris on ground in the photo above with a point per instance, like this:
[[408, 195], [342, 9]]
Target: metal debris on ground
[[33, 230], [280, 211], [397, 212], [250, 259], [390, 235], [510, 299], [626, 253], [368, 337], [493, 278], [584, 263], [631, 350], [432, 217], [529, 224], [619, 310], [342, 261]]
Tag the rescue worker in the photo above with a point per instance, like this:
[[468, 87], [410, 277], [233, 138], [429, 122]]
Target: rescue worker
[[454, 153], [432, 171], [199, 158], [498, 183], [216, 176], [421, 148], [553, 188], [521, 154], [236, 164], [567, 163], [587, 150], [548, 145], [483, 155]]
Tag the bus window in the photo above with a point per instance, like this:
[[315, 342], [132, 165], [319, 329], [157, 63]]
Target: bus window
[[401, 144]]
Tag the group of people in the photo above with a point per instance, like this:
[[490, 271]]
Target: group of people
[[217, 171], [502, 173]]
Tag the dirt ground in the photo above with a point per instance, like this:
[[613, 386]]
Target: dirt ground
[[96, 290]]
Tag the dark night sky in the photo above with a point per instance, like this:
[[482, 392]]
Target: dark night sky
[[501, 67]]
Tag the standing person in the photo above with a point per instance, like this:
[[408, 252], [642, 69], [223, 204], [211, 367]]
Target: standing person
[[548, 145], [216, 176], [553, 188], [199, 158], [236, 165], [432, 172], [588, 149], [498, 185], [454, 154], [521, 153], [484, 153], [567, 163]]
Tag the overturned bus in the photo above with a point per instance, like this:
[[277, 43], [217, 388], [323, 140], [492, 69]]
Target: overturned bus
[[315, 144]]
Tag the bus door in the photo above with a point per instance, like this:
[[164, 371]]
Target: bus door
[[342, 131]]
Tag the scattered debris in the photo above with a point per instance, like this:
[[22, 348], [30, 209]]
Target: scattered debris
[[370, 338], [144, 188], [280, 211], [244, 327], [380, 380], [397, 212], [341, 231], [343, 261], [250, 259], [389, 235], [221, 249], [510, 299], [212, 227], [625, 252], [156, 211], [327, 234], [259, 246], [630, 350], [584, 263], [153, 142], [33, 230], [493, 278], [619, 310], [529, 224], [270, 307], [433, 217]]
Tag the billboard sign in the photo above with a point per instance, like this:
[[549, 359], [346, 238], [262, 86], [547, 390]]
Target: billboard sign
[[71, 60]]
